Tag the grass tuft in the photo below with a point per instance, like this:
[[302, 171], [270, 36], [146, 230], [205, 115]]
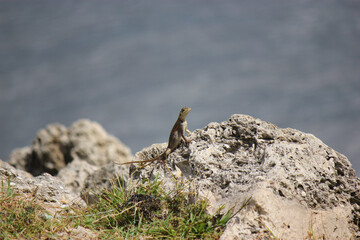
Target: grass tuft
[[22, 217], [150, 212], [144, 212]]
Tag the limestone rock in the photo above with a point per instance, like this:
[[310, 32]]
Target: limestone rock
[[297, 184], [48, 190], [78, 233], [20, 157], [91, 143], [112, 175], [50, 150], [56, 146], [6, 171], [104, 179], [75, 174]]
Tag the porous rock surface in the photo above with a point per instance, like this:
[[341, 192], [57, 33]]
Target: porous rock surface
[[61, 160], [71, 154], [298, 186], [56, 146], [48, 190], [104, 178]]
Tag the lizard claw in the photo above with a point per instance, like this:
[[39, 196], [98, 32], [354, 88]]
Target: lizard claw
[[188, 141]]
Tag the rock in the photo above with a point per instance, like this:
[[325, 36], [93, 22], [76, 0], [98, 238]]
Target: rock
[[20, 157], [297, 185], [75, 174], [56, 146], [155, 169], [109, 176], [6, 171], [74, 154], [78, 233], [48, 190], [50, 150], [91, 143]]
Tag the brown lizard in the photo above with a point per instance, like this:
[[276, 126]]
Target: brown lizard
[[177, 133]]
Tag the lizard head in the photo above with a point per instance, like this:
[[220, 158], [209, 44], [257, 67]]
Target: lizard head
[[184, 112]]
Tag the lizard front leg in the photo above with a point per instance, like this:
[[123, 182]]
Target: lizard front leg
[[187, 141]]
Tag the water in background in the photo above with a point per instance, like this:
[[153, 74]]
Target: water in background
[[131, 65]]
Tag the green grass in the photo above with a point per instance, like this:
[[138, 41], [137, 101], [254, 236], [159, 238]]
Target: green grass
[[150, 212], [21, 217], [146, 212]]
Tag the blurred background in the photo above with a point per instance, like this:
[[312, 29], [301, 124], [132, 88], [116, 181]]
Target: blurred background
[[131, 66]]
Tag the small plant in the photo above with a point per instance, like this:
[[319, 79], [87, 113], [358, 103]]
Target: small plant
[[21, 217], [150, 212], [146, 211]]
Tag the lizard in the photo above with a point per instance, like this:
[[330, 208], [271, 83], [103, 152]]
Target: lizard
[[176, 135]]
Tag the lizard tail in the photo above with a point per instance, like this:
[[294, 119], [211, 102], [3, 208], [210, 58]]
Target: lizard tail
[[143, 161]]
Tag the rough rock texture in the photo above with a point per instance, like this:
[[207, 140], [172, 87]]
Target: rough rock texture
[[297, 184], [48, 153], [75, 174], [45, 188], [49, 192], [91, 143], [56, 146], [73, 154], [104, 179]]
